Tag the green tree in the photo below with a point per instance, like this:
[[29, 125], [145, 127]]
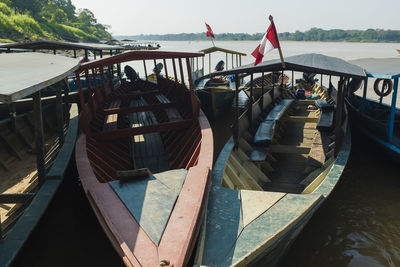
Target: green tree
[[32, 6], [52, 13]]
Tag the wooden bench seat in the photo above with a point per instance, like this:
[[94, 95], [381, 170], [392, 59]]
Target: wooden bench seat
[[111, 120], [172, 113], [277, 112], [265, 133], [325, 122], [266, 130], [259, 154]]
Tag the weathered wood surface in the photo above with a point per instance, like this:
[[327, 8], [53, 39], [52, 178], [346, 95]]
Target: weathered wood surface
[[35, 71], [17, 236], [265, 227], [151, 200]]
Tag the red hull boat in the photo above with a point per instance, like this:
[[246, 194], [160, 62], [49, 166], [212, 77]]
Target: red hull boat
[[144, 158]]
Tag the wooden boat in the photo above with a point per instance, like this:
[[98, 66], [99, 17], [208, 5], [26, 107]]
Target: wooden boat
[[65, 48], [216, 93], [379, 120], [284, 159], [144, 158], [34, 149], [267, 82]]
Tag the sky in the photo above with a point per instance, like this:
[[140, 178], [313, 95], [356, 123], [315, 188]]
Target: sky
[[133, 17]]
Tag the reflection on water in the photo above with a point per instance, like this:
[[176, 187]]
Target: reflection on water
[[359, 225]]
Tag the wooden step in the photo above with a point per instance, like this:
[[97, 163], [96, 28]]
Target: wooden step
[[284, 187]]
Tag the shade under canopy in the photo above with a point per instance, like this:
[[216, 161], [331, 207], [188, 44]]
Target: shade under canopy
[[314, 63], [379, 67]]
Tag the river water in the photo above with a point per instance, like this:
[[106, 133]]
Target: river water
[[359, 224]]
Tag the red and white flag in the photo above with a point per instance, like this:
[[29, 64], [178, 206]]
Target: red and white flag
[[209, 31], [268, 42]]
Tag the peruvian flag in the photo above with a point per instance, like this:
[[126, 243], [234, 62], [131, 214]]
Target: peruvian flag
[[268, 42], [209, 31]]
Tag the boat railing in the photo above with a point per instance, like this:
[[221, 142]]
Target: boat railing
[[390, 121], [96, 95]]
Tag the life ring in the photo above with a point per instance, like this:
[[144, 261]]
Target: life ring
[[387, 83]]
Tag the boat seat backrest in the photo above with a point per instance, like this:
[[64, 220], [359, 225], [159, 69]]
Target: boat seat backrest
[[266, 129], [326, 118]]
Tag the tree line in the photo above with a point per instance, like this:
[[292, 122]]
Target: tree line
[[314, 34], [48, 19]]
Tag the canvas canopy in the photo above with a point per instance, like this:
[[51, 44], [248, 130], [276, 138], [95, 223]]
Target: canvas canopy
[[380, 67], [23, 74], [314, 63]]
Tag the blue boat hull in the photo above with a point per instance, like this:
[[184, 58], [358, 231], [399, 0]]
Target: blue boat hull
[[374, 129]]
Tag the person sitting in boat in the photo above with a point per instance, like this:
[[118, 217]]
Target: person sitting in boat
[[220, 66], [130, 73], [158, 68]]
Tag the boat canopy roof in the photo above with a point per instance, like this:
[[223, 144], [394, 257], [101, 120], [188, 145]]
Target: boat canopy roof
[[313, 63], [219, 49], [22, 74], [380, 67], [48, 44]]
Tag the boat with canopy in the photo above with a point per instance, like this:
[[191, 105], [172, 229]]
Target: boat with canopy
[[285, 157]]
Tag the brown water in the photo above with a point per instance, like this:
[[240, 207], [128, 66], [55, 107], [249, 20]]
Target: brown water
[[359, 225]]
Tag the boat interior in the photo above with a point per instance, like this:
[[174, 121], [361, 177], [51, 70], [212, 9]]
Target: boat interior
[[287, 147], [18, 169], [141, 124]]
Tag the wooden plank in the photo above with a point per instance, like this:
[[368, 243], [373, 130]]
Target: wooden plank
[[289, 149], [117, 110], [128, 175], [245, 174], [259, 154], [149, 201], [235, 178], [301, 119], [226, 181], [250, 165], [15, 198], [39, 136], [255, 203], [161, 127], [184, 223]]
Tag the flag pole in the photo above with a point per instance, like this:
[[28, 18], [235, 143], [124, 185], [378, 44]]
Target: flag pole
[[212, 41], [279, 48]]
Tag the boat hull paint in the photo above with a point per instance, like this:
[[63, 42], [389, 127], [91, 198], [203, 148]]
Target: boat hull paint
[[270, 253], [369, 128]]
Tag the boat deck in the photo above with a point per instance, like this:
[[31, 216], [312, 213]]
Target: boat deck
[[148, 149], [297, 137]]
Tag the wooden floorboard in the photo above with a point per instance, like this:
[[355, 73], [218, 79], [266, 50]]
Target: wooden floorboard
[[148, 148]]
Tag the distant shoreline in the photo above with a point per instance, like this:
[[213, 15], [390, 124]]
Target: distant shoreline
[[312, 35], [216, 40]]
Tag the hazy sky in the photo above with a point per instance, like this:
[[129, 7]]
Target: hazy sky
[[131, 17]]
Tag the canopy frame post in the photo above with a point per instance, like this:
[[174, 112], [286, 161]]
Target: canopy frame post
[[60, 114], [262, 92], [13, 115], [393, 109], [339, 111], [236, 124], [251, 103], [364, 97], [39, 136]]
